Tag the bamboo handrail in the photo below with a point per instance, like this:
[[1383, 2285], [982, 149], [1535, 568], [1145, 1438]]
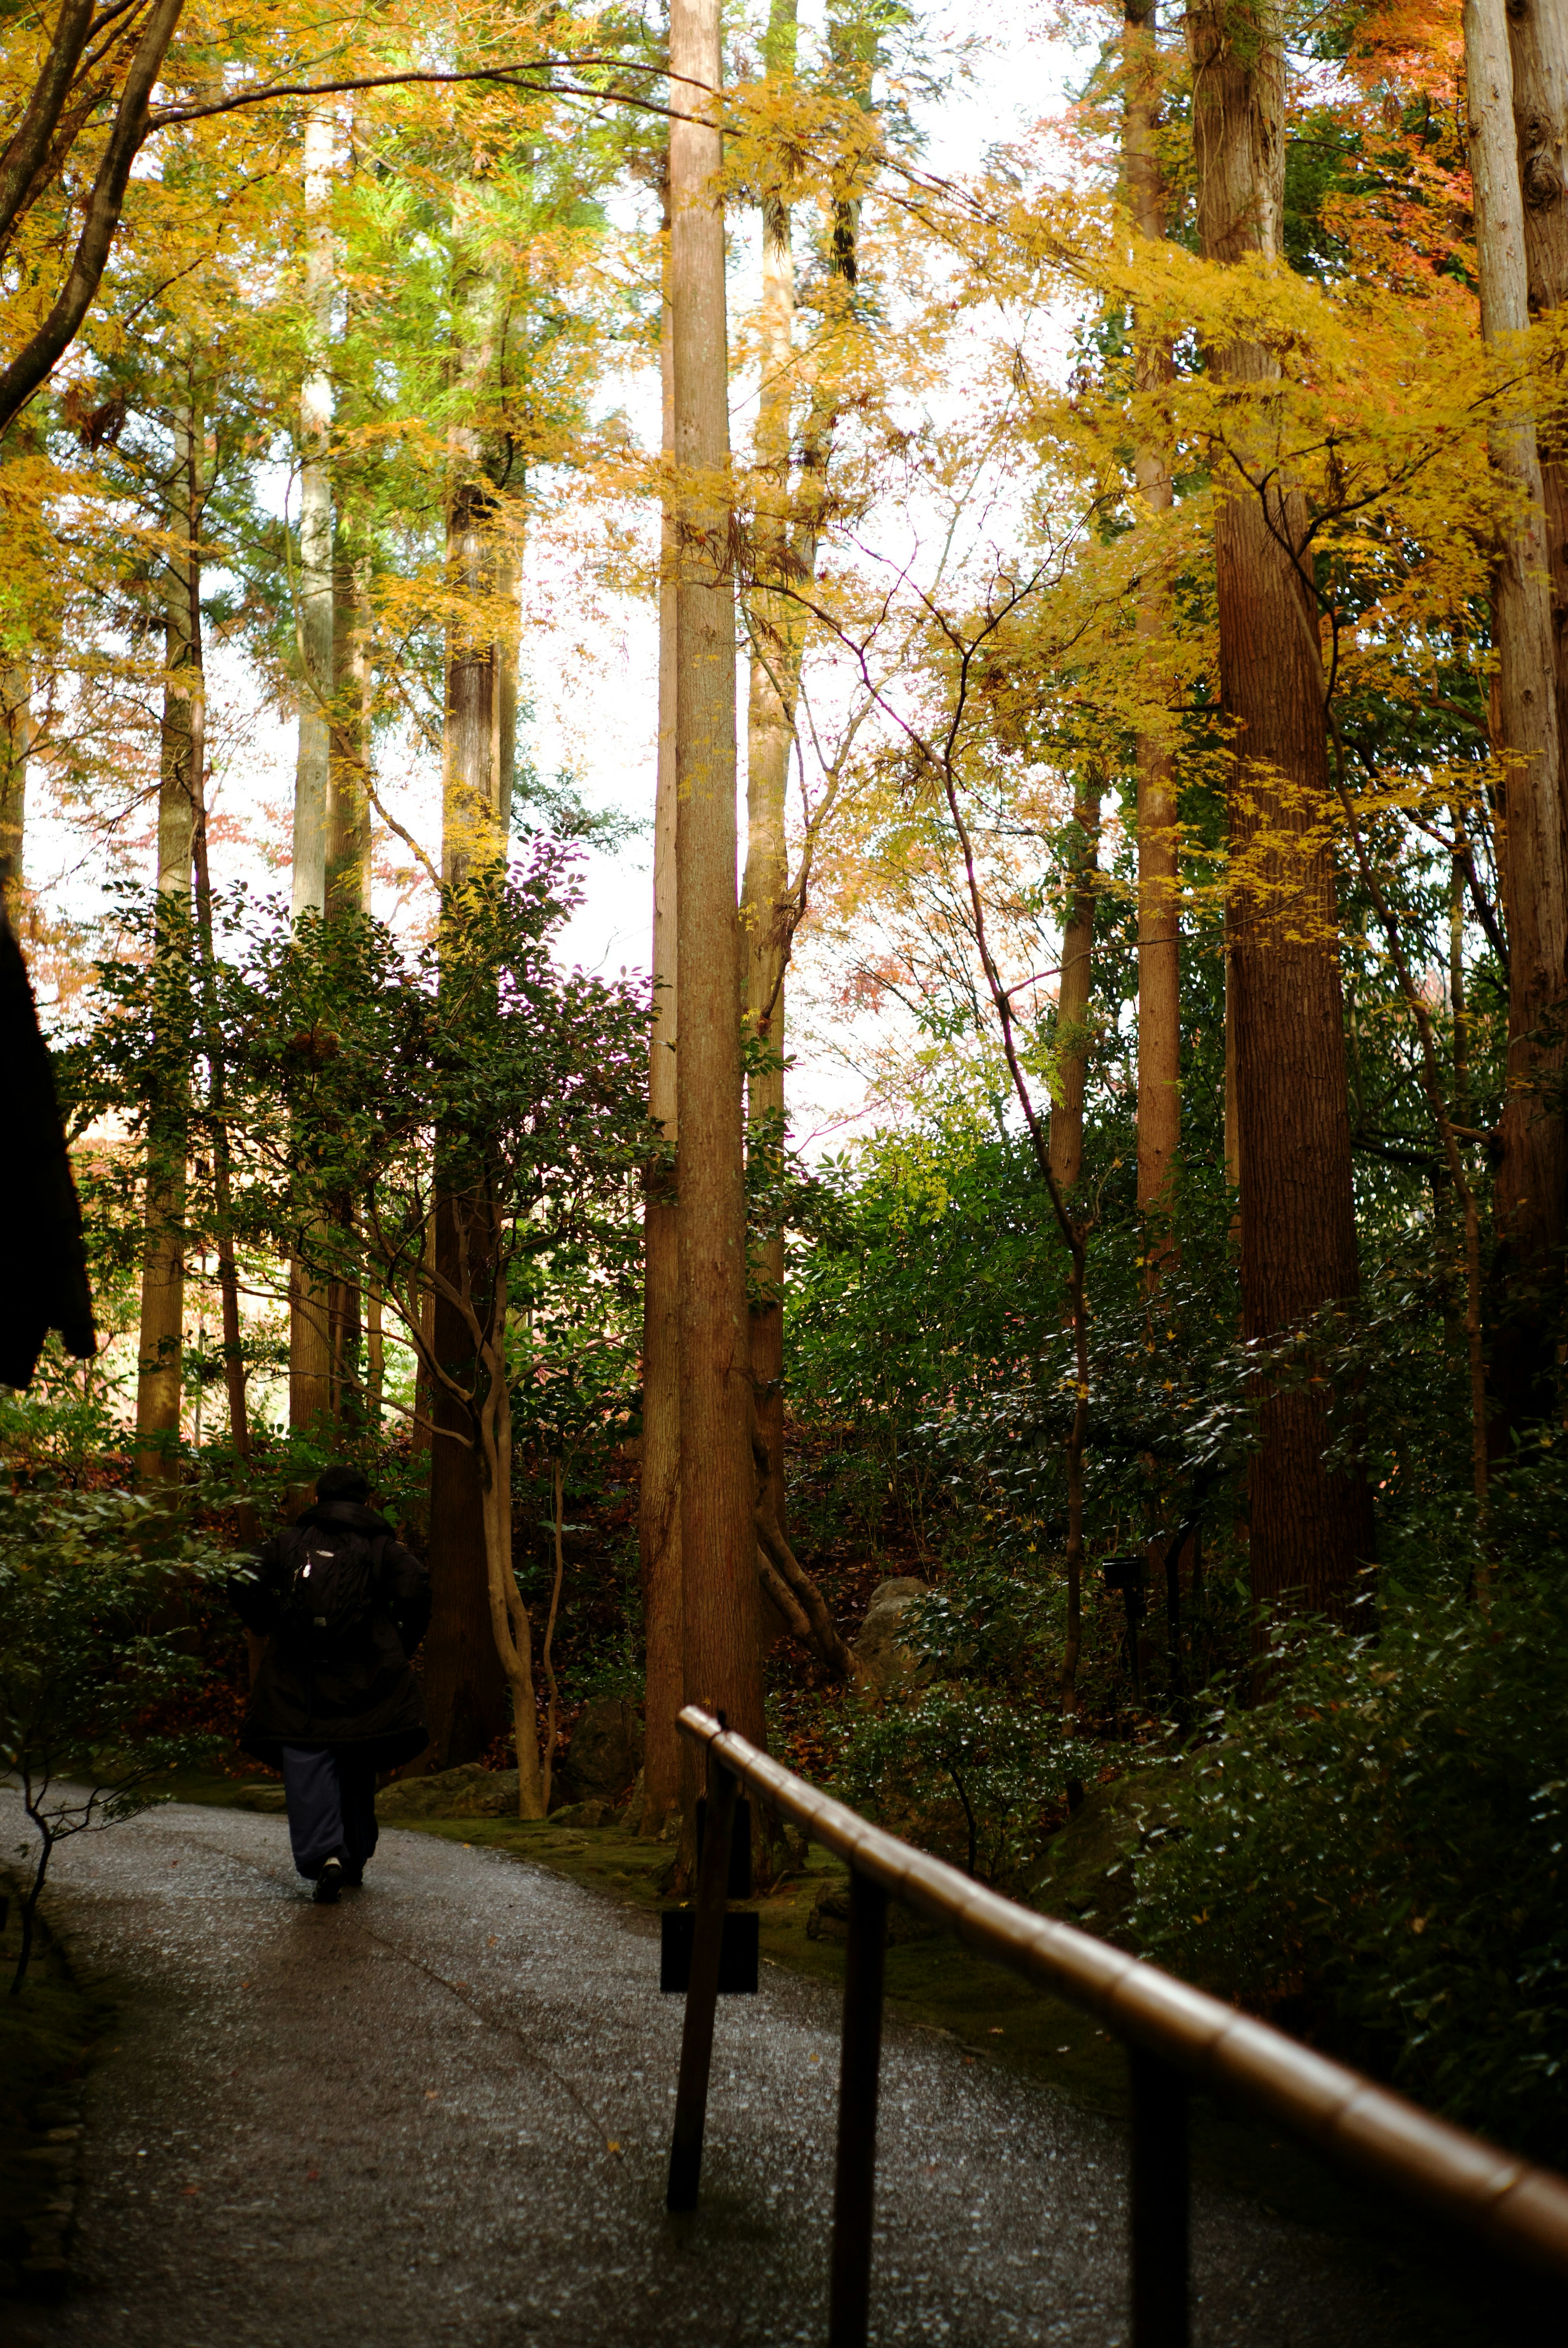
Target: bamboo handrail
[[1518, 2209]]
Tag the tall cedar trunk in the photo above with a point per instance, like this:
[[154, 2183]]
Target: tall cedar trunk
[[310, 1299], [465, 1678], [1158, 928], [1073, 989], [1311, 1532], [16, 750], [348, 898], [161, 1338], [771, 739], [1532, 1172], [1538, 48], [348, 874], [718, 1539], [658, 1509], [247, 1521]]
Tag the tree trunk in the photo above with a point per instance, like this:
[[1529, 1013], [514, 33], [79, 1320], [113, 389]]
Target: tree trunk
[[467, 1671], [160, 1348], [310, 1299], [1073, 989], [16, 750], [658, 1505], [1532, 1172], [348, 875], [512, 1635], [1311, 1532], [30, 366], [770, 741], [1158, 841], [348, 897], [314, 621], [1538, 48], [718, 1539]]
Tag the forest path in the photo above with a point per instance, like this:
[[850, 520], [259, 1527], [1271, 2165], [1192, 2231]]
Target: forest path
[[442, 2109]]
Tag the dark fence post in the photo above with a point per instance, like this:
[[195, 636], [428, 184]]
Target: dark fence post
[[848, 2303], [702, 1990], [1160, 2200]]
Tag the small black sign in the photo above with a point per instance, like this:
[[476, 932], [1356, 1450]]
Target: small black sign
[[737, 1954]]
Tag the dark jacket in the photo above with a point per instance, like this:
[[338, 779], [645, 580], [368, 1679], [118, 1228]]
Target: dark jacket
[[360, 1694]]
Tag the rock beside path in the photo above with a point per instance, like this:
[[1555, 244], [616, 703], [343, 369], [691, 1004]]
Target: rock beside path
[[880, 1650], [469, 1792]]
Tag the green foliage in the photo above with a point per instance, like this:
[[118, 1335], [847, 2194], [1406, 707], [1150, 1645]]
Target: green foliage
[[1379, 1851], [93, 1590], [954, 1766]]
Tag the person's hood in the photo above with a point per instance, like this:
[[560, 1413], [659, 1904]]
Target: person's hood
[[351, 1516]]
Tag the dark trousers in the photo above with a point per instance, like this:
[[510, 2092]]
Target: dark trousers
[[331, 1797]]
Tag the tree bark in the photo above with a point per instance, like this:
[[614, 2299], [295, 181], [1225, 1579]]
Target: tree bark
[[1310, 1532], [30, 142], [16, 750], [467, 1666], [33, 363], [1532, 1173], [310, 1298], [658, 1506], [1158, 841], [160, 1342], [348, 898], [1538, 50], [347, 876], [1073, 990], [765, 904], [718, 1539]]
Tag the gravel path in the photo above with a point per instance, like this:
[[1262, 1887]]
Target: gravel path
[[442, 2109]]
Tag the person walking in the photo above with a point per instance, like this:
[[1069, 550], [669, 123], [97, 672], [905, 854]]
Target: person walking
[[342, 1606]]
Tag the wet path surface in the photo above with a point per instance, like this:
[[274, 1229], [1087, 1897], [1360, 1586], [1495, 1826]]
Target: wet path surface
[[441, 2110]]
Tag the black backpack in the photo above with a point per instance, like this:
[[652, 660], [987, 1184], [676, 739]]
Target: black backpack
[[331, 1585]]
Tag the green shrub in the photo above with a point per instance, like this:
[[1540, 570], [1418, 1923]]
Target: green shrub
[[974, 1776], [95, 1594], [1378, 1852]]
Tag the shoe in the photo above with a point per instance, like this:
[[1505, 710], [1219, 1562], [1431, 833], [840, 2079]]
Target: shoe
[[353, 1876], [329, 1884]]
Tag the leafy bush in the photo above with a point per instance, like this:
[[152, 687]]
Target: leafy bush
[[1380, 1852], [964, 1773], [94, 1588]]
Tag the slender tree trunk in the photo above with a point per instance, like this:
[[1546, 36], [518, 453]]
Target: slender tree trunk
[[310, 1298], [313, 760], [552, 1697], [1538, 49], [718, 1539], [16, 750], [1073, 990], [374, 1361], [1311, 1532], [1158, 841], [512, 1635], [1532, 1183], [160, 1365], [348, 875], [348, 898], [658, 1506], [466, 1667], [771, 740]]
